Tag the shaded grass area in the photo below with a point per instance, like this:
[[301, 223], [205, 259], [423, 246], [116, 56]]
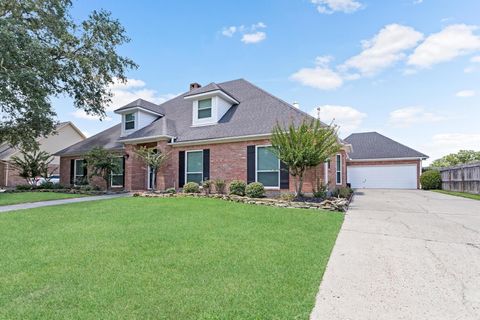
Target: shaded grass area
[[143, 258], [7, 198], [460, 194]]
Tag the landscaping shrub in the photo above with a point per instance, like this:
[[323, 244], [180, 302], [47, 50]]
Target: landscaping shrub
[[191, 187], [220, 185], [237, 187], [255, 190], [320, 190], [343, 192], [24, 187], [287, 196], [431, 180], [207, 186], [171, 190], [48, 185]]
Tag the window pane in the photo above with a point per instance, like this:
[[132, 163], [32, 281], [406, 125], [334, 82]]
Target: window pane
[[79, 167], [195, 161], [269, 179], [266, 159], [339, 162], [130, 117], [204, 104], [129, 125], [207, 113], [339, 177], [194, 177], [120, 165], [117, 180]]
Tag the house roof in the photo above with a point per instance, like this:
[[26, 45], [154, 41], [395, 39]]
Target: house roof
[[107, 139], [373, 145], [140, 103], [256, 113]]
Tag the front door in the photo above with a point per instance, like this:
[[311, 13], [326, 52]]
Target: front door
[[150, 178]]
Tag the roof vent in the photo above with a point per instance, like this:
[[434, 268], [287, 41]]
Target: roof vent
[[194, 85], [296, 105]]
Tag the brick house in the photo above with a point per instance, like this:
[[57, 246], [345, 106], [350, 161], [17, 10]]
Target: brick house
[[66, 134], [219, 131]]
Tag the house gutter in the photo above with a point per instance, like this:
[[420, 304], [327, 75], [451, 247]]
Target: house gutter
[[221, 140], [386, 159]]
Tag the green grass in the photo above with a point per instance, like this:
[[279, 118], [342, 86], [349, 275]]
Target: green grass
[[147, 258], [460, 194], [7, 198]]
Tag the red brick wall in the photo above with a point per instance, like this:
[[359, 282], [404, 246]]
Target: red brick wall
[[228, 161], [418, 163], [9, 175]]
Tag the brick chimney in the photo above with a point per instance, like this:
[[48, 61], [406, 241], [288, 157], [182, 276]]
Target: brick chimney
[[194, 85]]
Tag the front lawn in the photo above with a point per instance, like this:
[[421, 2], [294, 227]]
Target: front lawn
[[151, 258], [460, 194], [7, 198]]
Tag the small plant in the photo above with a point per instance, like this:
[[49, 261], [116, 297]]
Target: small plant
[[343, 192], [237, 187], [191, 187], [287, 196], [431, 180], [220, 185], [207, 186], [171, 190], [255, 190], [320, 190]]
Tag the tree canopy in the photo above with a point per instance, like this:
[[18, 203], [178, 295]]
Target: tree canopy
[[32, 164], [304, 146], [45, 54], [152, 158], [102, 163], [453, 159]]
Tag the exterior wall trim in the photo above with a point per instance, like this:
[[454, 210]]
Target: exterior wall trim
[[383, 159], [220, 140]]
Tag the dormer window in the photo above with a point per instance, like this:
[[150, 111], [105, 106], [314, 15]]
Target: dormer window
[[129, 121], [205, 108]]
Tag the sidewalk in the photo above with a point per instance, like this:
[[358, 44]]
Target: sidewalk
[[39, 204]]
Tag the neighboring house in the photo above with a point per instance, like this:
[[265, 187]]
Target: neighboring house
[[66, 134], [219, 131], [380, 162]]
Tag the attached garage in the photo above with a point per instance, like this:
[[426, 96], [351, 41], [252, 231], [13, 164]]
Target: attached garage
[[383, 176], [378, 162]]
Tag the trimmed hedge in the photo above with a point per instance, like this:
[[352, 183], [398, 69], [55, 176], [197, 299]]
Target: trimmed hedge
[[255, 190], [431, 180], [191, 187], [237, 187]]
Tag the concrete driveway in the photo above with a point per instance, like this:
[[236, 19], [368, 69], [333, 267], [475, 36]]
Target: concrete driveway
[[404, 254]]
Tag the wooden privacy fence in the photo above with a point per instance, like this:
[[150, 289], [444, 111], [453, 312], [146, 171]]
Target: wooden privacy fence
[[463, 178]]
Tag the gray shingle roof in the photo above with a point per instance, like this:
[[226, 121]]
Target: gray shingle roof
[[257, 113], [107, 139], [373, 145], [142, 104]]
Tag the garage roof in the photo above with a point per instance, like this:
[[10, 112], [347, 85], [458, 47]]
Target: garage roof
[[373, 145]]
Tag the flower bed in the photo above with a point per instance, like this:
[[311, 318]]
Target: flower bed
[[331, 204]]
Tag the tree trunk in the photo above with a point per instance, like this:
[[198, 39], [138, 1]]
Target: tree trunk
[[300, 185], [154, 182]]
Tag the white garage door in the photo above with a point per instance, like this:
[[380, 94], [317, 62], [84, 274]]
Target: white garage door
[[383, 177]]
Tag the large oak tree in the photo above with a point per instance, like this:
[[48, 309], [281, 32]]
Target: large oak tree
[[44, 53]]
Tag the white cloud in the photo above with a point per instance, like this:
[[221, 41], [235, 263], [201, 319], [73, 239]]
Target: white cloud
[[347, 118], [132, 90], [331, 6], [417, 1], [320, 77], [256, 37], [249, 34], [384, 49], [229, 31], [406, 117], [80, 114], [451, 42], [465, 93], [475, 59]]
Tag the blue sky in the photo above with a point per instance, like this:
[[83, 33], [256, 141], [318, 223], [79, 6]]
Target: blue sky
[[408, 69]]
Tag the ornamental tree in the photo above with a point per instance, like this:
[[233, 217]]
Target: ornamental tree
[[46, 54], [32, 164], [153, 159], [304, 146], [102, 163]]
